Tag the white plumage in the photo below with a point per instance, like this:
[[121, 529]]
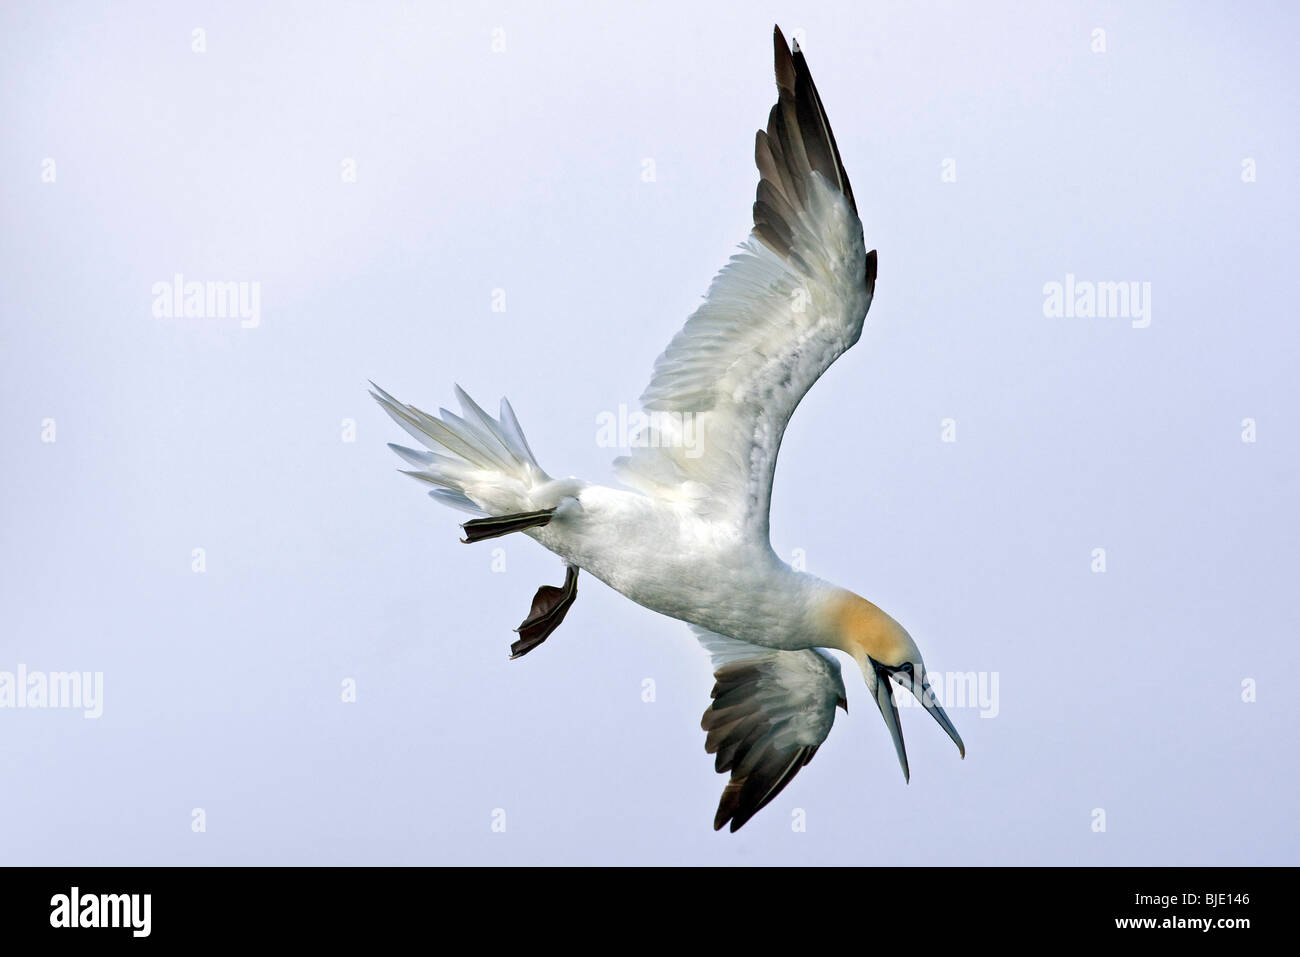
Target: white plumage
[[691, 539]]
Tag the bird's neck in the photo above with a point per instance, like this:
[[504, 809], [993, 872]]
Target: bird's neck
[[862, 629]]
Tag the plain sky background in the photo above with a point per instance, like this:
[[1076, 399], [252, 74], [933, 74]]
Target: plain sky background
[[522, 171]]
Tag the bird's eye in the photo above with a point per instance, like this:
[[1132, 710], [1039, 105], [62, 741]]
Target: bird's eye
[[906, 666]]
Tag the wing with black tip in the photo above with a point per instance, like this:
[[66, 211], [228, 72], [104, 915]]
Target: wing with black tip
[[771, 711], [787, 305]]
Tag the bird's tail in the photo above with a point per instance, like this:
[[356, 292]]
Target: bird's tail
[[476, 463]]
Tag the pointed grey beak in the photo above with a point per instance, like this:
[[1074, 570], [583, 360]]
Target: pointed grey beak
[[927, 698], [919, 685], [889, 711]]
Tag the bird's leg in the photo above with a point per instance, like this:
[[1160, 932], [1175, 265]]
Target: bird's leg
[[497, 525], [550, 605]]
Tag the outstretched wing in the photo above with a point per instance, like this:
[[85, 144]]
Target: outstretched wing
[[787, 305], [771, 711]]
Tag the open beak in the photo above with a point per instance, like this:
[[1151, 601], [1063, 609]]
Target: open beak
[[919, 685], [927, 698], [889, 711]]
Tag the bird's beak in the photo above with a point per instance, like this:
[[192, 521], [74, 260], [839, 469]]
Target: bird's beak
[[889, 711], [919, 685]]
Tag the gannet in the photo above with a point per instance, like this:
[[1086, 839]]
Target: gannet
[[688, 537]]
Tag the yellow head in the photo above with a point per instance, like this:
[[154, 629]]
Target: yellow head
[[886, 654], [864, 631]]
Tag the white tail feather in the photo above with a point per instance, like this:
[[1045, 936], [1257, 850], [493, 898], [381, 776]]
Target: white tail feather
[[478, 464]]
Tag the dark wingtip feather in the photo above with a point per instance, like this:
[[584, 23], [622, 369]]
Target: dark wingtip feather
[[785, 73], [745, 797], [798, 142]]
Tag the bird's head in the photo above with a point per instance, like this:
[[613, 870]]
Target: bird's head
[[887, 655]]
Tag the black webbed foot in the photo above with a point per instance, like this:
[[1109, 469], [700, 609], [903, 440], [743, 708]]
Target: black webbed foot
[[550, 605]]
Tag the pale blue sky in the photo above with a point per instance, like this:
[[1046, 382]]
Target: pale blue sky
[[521, 170]]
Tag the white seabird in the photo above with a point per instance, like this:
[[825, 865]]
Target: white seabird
[[691, 541]]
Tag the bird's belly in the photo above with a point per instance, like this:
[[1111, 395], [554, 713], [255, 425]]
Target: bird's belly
[[663, 558]]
